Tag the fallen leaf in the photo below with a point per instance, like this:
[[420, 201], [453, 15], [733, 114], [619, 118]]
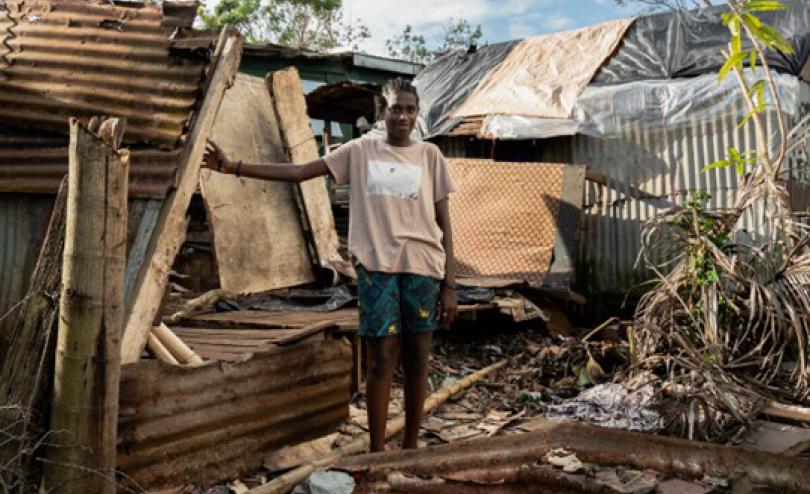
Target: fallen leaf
[[458, 433]]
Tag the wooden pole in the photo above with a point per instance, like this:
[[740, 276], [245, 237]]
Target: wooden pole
[[284, 483], [84, 412], [175, 345], [160, 351], [27, 369]]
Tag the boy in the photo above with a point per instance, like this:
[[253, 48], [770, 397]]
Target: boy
[[402, 244]]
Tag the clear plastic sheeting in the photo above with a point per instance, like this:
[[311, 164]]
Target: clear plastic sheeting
[[518, 127], [689, 44], [607, 111]]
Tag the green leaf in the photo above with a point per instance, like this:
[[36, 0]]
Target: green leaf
[[757, 88], [718, 164], [763, 5], [776, 40], [740, 168], [751, 21], [727, 18], [752, 62], [731, 62], [735, 155]]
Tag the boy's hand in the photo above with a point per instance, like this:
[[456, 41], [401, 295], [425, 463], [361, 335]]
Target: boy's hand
[[448, 306], [215, 159]]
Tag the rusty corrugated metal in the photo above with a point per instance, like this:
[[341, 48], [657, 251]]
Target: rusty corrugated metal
[[23, 221], [36, 161], [63, 58], [203, 424]]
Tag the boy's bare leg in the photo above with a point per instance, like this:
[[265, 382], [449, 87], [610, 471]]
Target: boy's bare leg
[[381, 360], [415, 355]]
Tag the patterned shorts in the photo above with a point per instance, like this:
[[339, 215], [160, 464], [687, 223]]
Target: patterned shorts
[[393, 303]]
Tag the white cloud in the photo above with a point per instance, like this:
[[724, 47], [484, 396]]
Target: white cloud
[[387, 18], [557, 22]]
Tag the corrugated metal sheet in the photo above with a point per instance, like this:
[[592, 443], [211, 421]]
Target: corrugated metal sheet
[[23, 220], [203, 424], [648, 172], [84, 58], [35, 162]]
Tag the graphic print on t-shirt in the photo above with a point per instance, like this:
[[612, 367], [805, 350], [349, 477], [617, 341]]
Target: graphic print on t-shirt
[[390, 178]]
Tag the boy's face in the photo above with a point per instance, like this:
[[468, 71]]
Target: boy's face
[[400, 116]]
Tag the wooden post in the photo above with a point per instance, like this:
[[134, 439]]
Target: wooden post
[[27, 369], [170, 227], [84, 411]]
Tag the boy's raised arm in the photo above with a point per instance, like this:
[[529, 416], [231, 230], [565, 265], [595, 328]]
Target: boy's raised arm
[[283, 172]]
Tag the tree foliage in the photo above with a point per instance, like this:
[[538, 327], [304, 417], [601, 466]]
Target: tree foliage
[[318, 25], [456, 34]]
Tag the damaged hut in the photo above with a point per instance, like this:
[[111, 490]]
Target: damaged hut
[[636, 101], [144, 63]]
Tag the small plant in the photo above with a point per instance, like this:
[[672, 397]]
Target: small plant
[[726, 325]]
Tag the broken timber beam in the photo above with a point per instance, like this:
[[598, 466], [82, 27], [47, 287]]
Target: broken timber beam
[[170, 228], [282, 484], [595, 445], [84, 409], [27, 369]]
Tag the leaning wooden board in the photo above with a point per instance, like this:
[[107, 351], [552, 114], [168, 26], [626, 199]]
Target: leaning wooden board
[[258, 239]]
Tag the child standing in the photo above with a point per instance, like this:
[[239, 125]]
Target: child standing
[[401, 240]]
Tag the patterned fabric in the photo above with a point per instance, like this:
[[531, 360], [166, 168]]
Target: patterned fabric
[[393, 303]]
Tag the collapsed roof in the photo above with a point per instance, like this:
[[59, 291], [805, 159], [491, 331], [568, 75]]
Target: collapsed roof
[[531, 88]]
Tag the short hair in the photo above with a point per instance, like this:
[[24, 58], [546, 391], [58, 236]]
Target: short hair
[[398, 85]]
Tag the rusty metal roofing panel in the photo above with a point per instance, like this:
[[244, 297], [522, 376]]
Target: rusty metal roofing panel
[[23, 221], [63, 58], [36, 161], [208, 423]]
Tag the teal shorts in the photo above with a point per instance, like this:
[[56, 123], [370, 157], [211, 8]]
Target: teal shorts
[[396, 303]]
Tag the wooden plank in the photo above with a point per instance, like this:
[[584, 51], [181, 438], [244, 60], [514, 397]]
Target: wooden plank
[[306, 333], [91, 314], [258, 237], [169, 232], [291, 108]]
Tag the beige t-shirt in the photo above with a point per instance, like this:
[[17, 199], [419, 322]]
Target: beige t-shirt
[[392, 213]]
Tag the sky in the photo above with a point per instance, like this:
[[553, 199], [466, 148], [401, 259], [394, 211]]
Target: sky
[[501, 20]]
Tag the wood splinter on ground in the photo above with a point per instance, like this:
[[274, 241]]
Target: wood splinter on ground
[[284, 483]]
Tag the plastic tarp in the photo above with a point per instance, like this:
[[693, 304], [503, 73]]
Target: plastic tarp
[[542, 76], [607, 111], [446, 83], [689, 44]]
